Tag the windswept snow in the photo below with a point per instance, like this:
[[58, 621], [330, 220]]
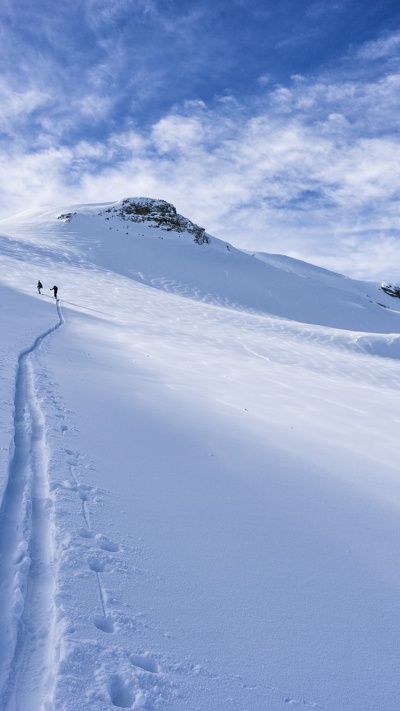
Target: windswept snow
[[200, 487]]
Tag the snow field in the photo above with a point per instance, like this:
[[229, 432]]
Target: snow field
[[213, 418], [201, 504]]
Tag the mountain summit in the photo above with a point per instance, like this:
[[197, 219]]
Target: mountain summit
[[156, 213]]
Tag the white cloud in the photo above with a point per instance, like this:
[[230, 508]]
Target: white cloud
[[382, 48], [17, 106], [177, 133]]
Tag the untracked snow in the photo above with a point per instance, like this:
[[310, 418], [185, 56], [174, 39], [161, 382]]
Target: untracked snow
[[199, 479]]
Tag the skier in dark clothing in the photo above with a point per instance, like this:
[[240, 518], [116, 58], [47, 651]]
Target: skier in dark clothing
[[39, 286], [55, 289]]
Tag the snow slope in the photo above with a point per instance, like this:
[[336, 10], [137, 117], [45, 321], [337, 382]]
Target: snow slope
[[199, 483]]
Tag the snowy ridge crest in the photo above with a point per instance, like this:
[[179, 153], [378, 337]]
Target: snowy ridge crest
[[157, 213]]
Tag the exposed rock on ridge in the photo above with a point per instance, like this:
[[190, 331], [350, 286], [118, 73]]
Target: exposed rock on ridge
[[158, 213]]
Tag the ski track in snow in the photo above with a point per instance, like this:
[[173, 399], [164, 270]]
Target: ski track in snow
[[26, 549], [32, 623], [27, 586]]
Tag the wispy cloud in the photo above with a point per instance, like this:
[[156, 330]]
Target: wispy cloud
[[18, 107], [383, 48]]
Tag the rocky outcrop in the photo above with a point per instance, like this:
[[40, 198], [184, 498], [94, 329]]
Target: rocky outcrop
[[158, 213]]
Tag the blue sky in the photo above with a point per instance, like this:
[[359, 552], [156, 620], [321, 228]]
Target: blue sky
[[273, 125]]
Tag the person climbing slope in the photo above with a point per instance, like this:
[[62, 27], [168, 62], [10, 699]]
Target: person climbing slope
[[55, 289], [39, 286]]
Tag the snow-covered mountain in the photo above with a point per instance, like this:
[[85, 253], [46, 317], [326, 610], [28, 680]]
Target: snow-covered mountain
[[147, 241], [199, 471]]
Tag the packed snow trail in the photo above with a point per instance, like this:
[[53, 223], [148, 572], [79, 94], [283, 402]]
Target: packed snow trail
[[26, 551]]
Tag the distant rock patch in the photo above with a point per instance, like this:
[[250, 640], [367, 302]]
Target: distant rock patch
[[67, 216], [391, 289]]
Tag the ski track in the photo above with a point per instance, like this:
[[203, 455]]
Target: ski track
[[27, 622]]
